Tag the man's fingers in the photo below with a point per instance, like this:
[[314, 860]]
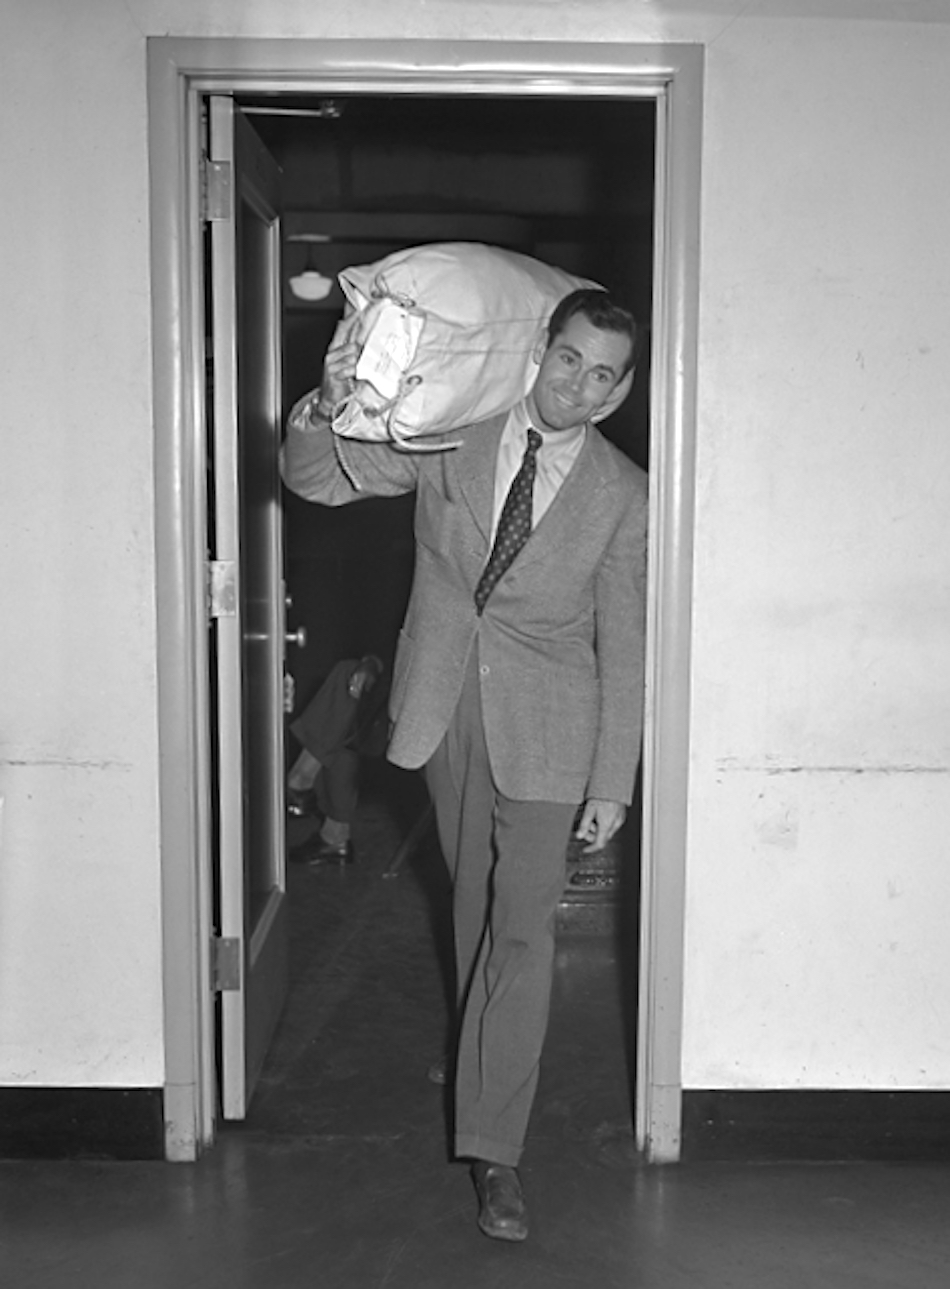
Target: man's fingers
[[586, 828], [600, 821], [598, 841]]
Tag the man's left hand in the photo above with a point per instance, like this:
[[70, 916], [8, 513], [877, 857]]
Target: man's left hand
[[599, 822]]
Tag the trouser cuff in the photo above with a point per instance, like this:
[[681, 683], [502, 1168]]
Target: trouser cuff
[[495, 1152]]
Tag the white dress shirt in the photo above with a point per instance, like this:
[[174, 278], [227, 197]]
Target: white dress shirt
[[558, 452]]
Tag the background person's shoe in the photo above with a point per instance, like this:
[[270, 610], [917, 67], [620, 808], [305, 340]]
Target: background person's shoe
[[318, 851], [438, 1072], [301, 802], [501, 1208]]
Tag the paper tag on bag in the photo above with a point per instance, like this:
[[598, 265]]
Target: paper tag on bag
[[390, 346]]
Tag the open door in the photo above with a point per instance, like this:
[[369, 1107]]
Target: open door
[[247, 596]]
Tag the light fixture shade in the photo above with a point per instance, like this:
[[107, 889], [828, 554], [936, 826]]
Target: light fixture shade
[[311, 285]]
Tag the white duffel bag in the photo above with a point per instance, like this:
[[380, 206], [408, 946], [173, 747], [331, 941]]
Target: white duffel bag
[[448, 335]]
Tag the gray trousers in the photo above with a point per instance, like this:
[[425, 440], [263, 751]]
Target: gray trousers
[[507, 861]]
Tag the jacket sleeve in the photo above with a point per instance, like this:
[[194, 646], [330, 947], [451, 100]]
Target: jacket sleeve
[[319, 465], [620, 615]]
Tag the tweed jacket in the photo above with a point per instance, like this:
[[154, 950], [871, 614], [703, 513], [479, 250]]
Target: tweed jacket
[[560, 642]]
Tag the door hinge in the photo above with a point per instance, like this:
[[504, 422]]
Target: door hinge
[[215, 189], [222, 588], [226, 963]]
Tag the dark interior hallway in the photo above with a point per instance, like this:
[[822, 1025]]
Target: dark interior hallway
[[340, 1179]]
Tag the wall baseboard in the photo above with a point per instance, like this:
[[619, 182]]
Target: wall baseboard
[[717, 1125], [790, 1125], [81, 1123]]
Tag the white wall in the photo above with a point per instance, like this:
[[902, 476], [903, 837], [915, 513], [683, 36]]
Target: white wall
[[80, 985], [815, 952], [820, 810]]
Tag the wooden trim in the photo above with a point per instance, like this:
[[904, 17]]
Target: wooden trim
[[666, 732], [181, 619]]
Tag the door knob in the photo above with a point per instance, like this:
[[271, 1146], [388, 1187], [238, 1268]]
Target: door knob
[[298, 637]]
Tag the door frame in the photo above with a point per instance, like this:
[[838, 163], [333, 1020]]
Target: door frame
[[180, 70]]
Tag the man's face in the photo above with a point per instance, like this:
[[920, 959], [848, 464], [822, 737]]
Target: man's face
[[578, 372]]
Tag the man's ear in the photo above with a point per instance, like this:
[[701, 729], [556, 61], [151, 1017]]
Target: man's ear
[[617, 396], [540, 347]]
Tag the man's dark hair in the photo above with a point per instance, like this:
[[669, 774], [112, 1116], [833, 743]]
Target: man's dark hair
[[601, 311]]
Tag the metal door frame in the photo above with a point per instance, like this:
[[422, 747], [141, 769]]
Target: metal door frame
[[180, 70]]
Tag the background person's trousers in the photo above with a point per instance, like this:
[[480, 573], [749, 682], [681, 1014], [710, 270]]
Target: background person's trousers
[[507, 860]]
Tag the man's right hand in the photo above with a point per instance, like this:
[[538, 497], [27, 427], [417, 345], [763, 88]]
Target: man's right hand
[[339, 367]]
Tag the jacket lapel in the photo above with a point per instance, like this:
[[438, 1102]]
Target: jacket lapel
[[565, 520], [472, 468]]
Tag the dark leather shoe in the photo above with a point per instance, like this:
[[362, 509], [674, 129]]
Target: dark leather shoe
[[321, 852], [501, 1208]]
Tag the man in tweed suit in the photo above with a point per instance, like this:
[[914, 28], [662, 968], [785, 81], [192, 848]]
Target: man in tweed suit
[[518, 688]]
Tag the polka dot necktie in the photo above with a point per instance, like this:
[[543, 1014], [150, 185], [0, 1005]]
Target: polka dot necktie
[[514, 524]]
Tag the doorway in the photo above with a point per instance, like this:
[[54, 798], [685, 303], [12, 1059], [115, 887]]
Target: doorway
[[646, 81], [569, 182]]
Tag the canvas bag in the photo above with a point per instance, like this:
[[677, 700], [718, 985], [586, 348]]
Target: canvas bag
[[448, 335]]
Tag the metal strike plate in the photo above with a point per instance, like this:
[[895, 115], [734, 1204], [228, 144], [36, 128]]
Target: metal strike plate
[[222, 588], [216, 194], [226, 963]]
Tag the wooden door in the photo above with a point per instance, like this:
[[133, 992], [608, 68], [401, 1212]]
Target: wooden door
[[247, 568]]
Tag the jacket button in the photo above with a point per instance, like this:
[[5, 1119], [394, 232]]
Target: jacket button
[[483, 669]]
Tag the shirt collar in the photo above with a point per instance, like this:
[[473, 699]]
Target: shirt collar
[[551, 439]]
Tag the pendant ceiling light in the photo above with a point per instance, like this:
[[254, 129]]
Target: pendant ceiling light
[[311, 284]]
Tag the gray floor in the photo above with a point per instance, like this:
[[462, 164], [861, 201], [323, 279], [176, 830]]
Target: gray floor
[[340, 1178]]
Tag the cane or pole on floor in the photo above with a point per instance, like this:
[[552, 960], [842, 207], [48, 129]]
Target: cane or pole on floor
[[410, 842]]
